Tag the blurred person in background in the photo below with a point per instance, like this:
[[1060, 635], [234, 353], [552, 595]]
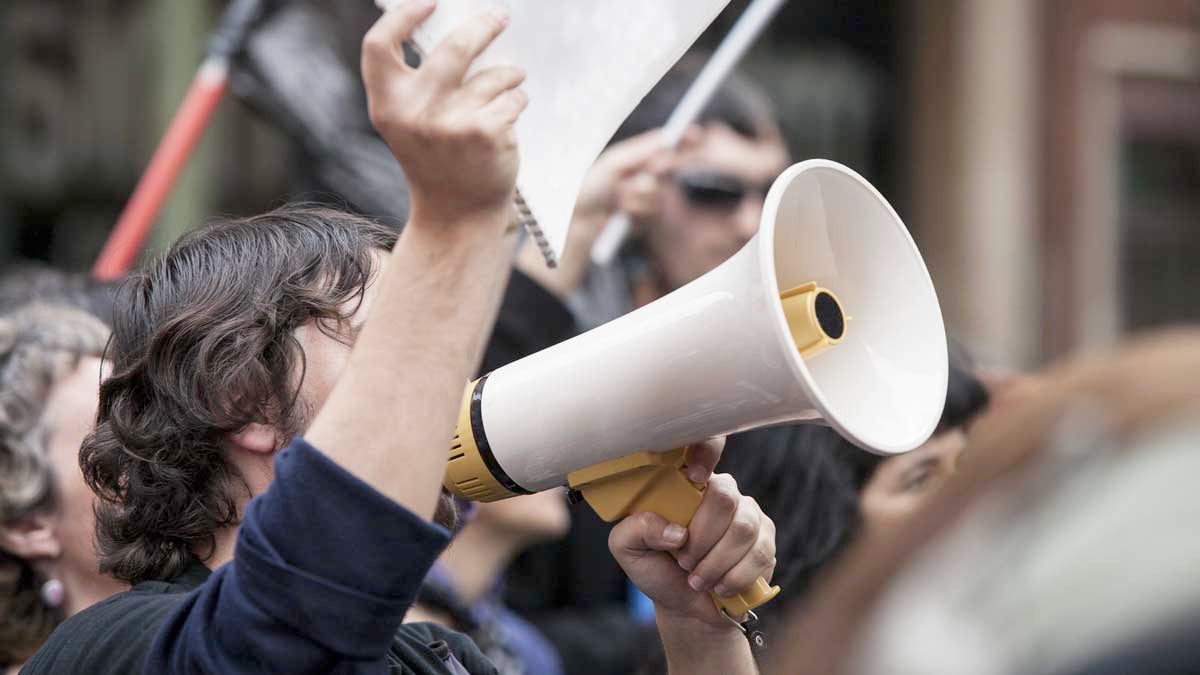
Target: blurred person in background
[[692, 209], [50, 372], [1064, 544], [892, 488], [26, 282], [822, 492], [464, 590]]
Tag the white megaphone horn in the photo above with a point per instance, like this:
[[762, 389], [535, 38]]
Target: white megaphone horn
[[827, 314]]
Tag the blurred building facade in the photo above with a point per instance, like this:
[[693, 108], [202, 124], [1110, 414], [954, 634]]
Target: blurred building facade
[[1045, 153], [86, 90], [1056, 168]]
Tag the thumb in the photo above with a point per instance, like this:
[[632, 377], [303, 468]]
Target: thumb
[[645, 532], [702, 459]]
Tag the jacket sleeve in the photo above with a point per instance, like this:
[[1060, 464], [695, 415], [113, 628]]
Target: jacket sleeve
[[325, 569]]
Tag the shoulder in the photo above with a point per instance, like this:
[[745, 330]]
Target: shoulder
[[421, 647], [112, 636]]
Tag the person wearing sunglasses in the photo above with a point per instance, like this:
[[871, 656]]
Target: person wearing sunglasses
[[692, 208], [709, 208]]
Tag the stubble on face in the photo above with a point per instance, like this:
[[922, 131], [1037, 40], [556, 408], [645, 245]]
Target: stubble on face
[[446, 514], [327, 352]]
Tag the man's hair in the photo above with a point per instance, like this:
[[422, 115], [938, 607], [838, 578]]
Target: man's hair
[[203, 344], [38, 344], [738, 103]]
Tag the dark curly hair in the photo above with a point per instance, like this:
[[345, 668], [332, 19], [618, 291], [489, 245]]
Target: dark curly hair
[[203, 344]]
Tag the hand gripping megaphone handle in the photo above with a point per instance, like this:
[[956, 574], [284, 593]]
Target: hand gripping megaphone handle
[[654, 482]]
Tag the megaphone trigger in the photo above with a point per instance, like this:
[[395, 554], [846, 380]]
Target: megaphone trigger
[[655, 482]]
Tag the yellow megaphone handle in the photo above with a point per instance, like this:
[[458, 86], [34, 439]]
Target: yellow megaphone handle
[[654, 482]]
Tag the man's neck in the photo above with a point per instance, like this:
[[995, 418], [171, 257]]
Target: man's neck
[[225, 541], [84, 589], [477, 558]]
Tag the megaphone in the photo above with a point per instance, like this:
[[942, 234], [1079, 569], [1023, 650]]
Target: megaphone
[[827, 315]]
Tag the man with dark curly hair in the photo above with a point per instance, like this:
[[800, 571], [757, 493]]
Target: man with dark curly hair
[[253, 550]]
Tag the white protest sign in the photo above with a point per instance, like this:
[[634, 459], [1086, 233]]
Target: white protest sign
[[588, 64]]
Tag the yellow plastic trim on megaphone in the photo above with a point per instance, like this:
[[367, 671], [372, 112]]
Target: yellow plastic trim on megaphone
[[470, 473]]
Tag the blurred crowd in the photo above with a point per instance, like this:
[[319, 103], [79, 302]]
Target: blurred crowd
[[1045, 527]]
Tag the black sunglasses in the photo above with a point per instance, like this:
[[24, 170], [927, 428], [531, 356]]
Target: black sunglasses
[[718, 191]]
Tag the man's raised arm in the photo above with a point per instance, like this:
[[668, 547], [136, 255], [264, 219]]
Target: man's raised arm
[[396, 404]]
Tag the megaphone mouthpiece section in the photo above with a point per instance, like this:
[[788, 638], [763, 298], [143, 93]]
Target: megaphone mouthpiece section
[[884, 386], [830, 316], [815, 318]]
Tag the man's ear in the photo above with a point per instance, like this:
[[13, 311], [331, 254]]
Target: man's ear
[[31, 537], [256, 437]]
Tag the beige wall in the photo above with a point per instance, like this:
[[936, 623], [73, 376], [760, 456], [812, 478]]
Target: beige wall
[[974, 174]]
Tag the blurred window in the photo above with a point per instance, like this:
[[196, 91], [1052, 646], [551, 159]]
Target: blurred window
[[1159, 216]]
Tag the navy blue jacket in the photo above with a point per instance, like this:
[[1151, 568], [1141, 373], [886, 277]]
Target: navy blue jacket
[[325, 569]]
